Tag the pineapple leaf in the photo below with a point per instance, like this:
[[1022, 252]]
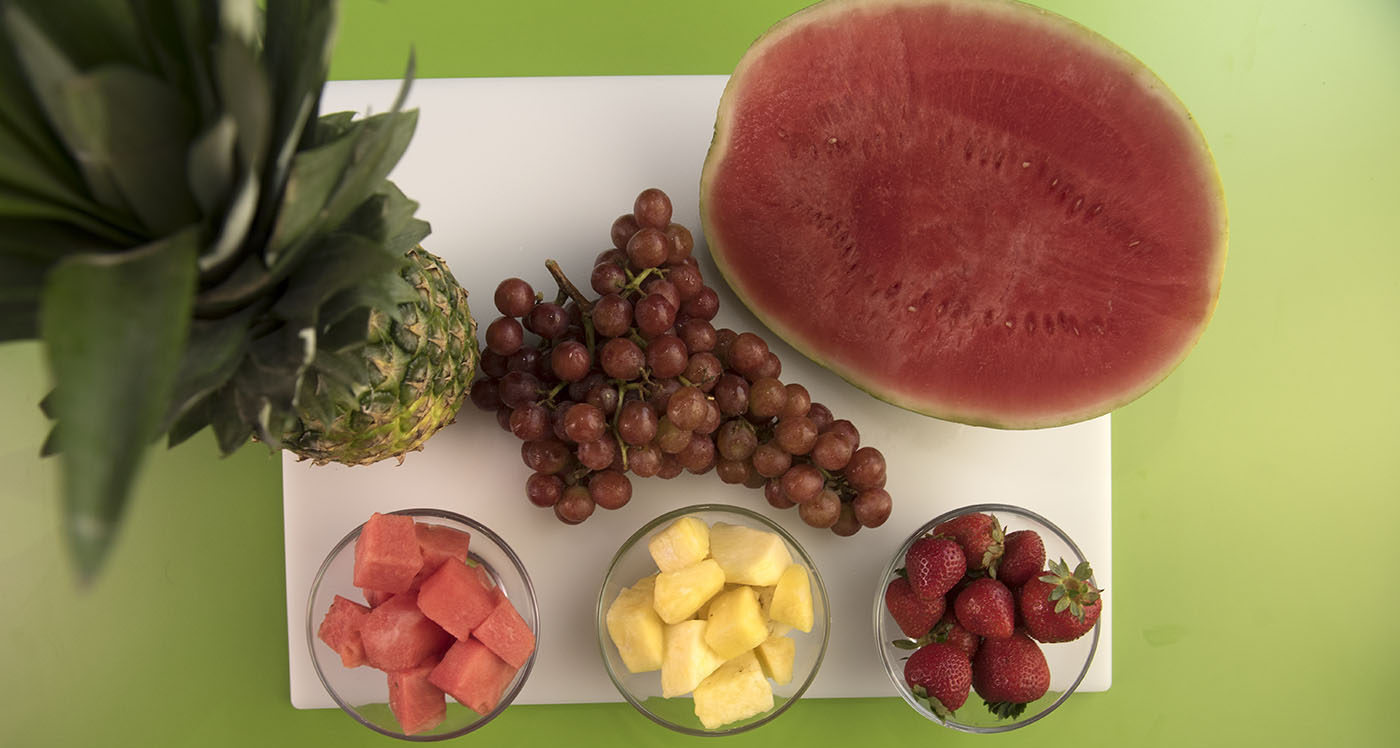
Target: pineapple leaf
[[114, 326], [136, 127], [191, 422], [377, 144], [212, 356], [346, 330], [211, 166], [226, 250], [269, 377], [246, 94], [339, 262], [312, 180], [296, 51], [49, 71], [230, 430]]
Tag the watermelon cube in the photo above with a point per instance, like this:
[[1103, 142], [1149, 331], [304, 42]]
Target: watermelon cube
[[386, 553], [473, 675], [374, 598], [455, 598], [418, 705], [506, 634], [439, 543], [340, 630], [397, 636]]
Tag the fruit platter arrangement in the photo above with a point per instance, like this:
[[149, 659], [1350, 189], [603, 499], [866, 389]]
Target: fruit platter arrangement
[[909, 254]]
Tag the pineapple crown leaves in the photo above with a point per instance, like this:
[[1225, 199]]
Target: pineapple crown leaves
[[1071, 590], [180, 228]]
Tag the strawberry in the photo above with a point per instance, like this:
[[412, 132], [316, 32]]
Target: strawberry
[[1060, 606], [934, 565], [980, 536], [1023, 557], [941, 674], [986, 607], [948, 630], [914, 615], [1010, 673]]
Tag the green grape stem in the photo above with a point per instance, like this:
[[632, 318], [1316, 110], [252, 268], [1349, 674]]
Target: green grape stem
[[567, 286]]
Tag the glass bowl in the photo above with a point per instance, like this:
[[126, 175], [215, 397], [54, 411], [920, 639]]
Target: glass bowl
[[1068, 661], [363, 691], [643, 690]]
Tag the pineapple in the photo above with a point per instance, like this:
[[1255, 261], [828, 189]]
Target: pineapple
[[748, 555], [197, 246], [737, 690], [776, 655], [735, 623], [635, 629], [684, 542], [687, 659], [792, 599], [680, 593]]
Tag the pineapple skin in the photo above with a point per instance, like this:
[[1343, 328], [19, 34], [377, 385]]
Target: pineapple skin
[[419, 371]]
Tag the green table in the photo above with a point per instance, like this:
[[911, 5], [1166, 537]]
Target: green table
[[1252, 489]]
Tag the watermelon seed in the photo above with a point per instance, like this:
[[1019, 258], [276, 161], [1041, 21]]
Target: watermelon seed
[[1134, 243], [1025, 164]]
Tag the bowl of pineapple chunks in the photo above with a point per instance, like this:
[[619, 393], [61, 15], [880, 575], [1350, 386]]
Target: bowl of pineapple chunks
[[712, 620]]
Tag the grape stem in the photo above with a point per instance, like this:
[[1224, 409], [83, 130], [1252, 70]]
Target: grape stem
[[568, 287]]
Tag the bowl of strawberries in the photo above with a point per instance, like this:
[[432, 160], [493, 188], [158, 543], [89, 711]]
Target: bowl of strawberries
[[987, 618]]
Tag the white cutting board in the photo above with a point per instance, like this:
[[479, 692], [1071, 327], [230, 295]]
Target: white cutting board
[[513, 171]]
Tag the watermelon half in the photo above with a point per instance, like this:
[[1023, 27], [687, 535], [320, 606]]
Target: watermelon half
[[973, 209]]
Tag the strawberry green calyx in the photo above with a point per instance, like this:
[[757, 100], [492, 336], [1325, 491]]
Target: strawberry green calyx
[[1005, 709], [934, 704], [991, 558], [1071, 591]]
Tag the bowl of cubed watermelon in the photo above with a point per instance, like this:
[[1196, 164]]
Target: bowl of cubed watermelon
[[422, 623], [987, 618], [712, 620]]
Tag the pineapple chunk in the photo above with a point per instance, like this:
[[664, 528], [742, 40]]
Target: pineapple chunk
[[635, 628], [737, 690], [747, 555], [680, 593], [687, 660], [765, 598], [683, 543], [735, 624], [776, 654], [792, 599]]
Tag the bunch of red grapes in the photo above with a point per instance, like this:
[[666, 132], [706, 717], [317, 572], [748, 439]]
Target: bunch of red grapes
[[638, 381]]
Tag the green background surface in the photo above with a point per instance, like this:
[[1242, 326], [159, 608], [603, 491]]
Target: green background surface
[[1254, 491]]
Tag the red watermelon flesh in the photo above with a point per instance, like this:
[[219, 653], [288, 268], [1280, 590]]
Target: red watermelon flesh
[[473, 675], [397, 635], [455, 597], [340, 630], [417, 704], [506, 634], [387, 557], [438, 543], [1009, 220]]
